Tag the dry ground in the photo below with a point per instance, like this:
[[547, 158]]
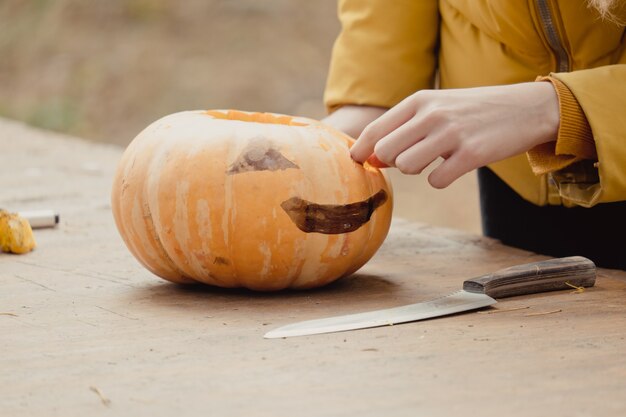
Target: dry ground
[[103, 70]]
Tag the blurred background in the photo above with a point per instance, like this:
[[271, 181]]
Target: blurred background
[[103, 70]]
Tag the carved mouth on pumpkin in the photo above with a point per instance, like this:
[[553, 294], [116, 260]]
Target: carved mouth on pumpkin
[[332, 218]]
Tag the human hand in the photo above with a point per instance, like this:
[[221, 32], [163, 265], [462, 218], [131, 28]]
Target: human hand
[[468, 128]]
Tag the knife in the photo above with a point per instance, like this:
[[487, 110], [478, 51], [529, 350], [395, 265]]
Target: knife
[[536, 277]]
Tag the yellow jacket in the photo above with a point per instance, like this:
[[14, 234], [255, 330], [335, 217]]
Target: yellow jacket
[[388, 49]]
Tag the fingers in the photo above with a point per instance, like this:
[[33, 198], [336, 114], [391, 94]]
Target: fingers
[[381, 127], [416, 158], [389, 147], [451, 169]]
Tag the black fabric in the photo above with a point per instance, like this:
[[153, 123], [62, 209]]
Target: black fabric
[[598, 233]]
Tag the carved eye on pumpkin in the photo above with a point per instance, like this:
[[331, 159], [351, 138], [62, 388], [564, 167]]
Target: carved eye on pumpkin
[[259, 155], [254, 200]]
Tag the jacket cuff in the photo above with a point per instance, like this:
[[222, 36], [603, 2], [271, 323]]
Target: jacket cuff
[[574, 139]]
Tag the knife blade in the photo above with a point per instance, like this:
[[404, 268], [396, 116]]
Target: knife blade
[[535, 277]]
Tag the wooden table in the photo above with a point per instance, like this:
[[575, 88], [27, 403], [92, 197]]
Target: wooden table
[[86, 331]]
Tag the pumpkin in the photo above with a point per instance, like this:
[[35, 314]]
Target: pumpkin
[[256, 200]]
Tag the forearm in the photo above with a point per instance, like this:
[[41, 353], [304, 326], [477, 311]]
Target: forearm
[[352, 119]]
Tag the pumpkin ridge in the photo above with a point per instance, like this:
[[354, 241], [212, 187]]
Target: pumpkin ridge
[[151, 190], [160, 247], [358, 260], [297, 278], [227, 218], [125, 206]]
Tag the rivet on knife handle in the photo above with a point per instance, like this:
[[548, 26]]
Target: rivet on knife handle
[[552, 275]]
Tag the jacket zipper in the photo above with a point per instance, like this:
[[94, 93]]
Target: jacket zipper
[[562, 59]]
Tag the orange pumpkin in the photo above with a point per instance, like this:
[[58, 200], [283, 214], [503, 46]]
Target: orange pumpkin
[[255, 200]]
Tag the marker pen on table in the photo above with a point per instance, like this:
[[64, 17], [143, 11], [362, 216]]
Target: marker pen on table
[[40, 219]]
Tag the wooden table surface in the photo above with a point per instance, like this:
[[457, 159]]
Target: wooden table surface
[[85, 330]]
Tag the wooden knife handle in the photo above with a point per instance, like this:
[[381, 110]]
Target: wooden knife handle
[[552, 275]]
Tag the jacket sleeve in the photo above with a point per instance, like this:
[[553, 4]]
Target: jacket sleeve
[[385, 51], [601, 93], [574, 140]]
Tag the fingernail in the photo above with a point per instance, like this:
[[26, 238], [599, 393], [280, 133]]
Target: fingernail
[[375, 162]]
